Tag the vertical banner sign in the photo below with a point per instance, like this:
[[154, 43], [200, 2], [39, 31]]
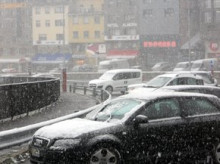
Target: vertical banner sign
[[212, 67], [64, 80]]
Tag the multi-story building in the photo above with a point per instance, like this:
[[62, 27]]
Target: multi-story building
[[159, 28], [50, 27], [210, 27], [121, 28], [86, 24], [15, 33]]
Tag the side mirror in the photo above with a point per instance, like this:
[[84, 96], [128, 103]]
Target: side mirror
[[140, 119]]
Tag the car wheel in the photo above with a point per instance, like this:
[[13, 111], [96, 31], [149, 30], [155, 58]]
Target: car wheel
[[217, 154], [105, 154], [109, 89]]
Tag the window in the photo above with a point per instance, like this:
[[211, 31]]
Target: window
[[37, 10], [75, 34], [97, 34], [118, 76], [47, 23], [86, 34], [136, 74], [147, 1], [59, 37], [147, 13], [168, 12], [47, 10], [42, 37], [86, 20], [37, 23], [59, 9], [59, 22], [198, 106], [97, 19], [75, 20], [164, 108]]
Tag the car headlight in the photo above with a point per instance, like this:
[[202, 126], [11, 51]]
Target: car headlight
[[100, 86], [63, 144]]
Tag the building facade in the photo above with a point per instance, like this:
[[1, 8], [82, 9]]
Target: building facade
[[210, 27], [50, 28], [15, 33], [159, 27], [121, 28]]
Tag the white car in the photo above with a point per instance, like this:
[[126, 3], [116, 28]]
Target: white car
[[117, 80], [169, 79]]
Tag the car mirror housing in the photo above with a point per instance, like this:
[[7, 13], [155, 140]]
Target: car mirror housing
[[140, 119]]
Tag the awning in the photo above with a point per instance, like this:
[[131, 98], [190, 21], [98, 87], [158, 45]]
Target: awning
[[51, 58], [122, 53], [192, 42]]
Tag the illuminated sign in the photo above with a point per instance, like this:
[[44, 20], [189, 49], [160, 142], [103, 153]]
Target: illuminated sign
[[160, 44]]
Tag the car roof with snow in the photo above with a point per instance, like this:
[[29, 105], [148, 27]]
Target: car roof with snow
[[180, 74], [154, 95], [179, 87]]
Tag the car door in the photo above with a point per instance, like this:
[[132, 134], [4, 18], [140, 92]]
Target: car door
[[119, 81], [159, 137], [202, 121]]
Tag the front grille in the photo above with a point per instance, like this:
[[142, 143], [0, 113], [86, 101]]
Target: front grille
[[40, 142]]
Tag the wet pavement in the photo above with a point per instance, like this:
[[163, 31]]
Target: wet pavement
[[67, 104]]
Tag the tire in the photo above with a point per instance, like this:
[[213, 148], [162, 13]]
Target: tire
[[217, 154], [109, 89], [105, 153]]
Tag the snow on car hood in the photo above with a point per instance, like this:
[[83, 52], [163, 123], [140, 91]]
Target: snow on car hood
[[137, 85], [71, 128], [97, 81]]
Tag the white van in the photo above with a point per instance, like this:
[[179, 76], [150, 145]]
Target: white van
[[204, 64], [112, 64], [117, 80]]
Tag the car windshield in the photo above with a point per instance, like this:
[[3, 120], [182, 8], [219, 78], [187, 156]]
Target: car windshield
[[196, 65], [107, 76], [114, 111], [181, 65], [158, 81]]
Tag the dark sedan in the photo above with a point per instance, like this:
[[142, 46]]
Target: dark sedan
[[168, 127]]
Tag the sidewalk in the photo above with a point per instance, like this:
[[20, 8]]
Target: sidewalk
[[68, 103]]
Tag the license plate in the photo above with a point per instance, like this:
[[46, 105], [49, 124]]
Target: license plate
[[35, 152]]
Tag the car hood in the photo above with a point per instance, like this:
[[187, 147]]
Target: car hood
[[71, 128], [137, 85], [97, 81]]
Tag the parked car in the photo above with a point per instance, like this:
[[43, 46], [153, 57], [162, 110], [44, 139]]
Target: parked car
[[161, 66], [167, 79], [206, 76], [193, 88], [205, 64], [160, 127], [117, 80], [182, 66]]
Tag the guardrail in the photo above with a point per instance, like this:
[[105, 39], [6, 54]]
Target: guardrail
[[21, 95], [22, 135]]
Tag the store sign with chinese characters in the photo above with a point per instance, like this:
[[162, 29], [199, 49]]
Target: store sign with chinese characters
[[159, 44]]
